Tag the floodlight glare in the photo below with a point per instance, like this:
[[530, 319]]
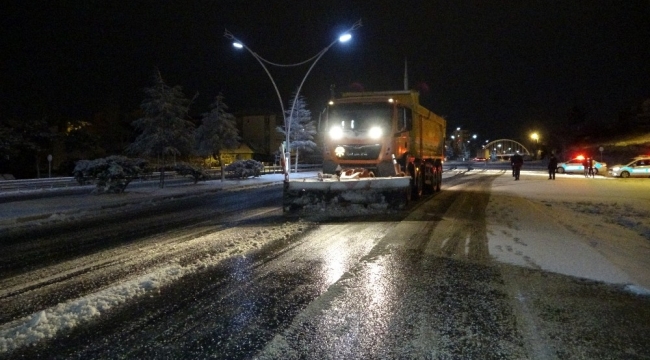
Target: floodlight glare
[[345, 37], [238, 45], [375, 132], [336, 133]]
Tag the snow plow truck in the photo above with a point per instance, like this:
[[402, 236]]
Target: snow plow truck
[[380, 150]]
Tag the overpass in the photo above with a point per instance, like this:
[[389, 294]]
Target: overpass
[[503, 149]]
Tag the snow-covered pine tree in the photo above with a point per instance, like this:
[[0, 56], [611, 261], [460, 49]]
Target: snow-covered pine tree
[[302, 129], [218, 131], [165, 128]]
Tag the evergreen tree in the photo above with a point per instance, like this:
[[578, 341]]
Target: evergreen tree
[[23, 141], [218, 131], [10, 141], [165, 128], [302, 129]]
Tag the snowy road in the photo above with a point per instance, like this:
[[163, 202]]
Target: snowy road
[[43, 265], [471, 272]]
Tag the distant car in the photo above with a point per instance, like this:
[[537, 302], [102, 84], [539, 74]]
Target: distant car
[[575, 166], [637, 167]]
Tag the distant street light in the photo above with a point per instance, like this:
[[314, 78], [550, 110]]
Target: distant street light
[[287, 121], [535, 137]]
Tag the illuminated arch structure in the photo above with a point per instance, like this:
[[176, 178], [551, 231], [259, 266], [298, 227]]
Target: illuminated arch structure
[[503, 149]]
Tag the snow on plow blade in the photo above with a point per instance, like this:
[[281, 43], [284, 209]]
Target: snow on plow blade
[[345, 196]]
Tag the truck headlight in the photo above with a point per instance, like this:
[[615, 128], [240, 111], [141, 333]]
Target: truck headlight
[[375, 132], [336, 133]]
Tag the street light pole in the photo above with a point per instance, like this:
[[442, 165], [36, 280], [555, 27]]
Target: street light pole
[[287, 121]]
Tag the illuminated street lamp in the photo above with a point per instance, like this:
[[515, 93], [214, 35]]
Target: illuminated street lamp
[[535, 137], [314, 59]]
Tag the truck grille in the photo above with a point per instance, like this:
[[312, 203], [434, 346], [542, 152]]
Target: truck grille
[[360, 152]]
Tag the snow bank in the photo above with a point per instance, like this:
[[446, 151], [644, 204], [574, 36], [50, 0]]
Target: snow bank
[[48, 322]]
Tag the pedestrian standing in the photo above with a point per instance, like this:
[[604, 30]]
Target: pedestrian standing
[[517, 162], [592, 163], [552, 167]]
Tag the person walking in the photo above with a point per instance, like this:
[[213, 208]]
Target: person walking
[[585, 165], [517, 162], [552, 167]]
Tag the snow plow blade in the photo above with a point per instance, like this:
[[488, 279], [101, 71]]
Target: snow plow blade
[[345, 196]]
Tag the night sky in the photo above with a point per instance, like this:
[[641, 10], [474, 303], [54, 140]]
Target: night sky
[[498, 68]]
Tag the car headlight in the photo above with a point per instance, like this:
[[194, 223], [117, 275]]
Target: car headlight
[[616, 168], [375, 132], [336, 133]]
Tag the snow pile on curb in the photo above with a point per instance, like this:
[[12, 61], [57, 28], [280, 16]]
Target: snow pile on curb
[[48, 322]]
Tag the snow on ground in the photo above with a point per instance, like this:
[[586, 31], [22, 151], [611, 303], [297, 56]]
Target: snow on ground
[[599, 230], [55, 209], [48, 322], [232, 242], [596, 228]]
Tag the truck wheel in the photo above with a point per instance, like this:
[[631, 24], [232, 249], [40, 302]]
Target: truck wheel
[[416, 181], [419, 186], [429, 174], [438, 177], [438, 174]]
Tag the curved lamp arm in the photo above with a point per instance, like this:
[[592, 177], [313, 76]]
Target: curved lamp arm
[[287, 123]]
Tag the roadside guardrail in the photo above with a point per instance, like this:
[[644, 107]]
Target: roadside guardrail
[[43, 183]]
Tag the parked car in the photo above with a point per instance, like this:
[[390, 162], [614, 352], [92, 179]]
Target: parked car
[[575, 165], [638, 166]]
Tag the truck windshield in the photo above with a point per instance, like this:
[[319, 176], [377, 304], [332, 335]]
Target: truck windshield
[[360, 117]]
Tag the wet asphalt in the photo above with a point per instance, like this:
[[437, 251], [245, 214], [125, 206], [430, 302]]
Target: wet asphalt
[[403, 286]]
